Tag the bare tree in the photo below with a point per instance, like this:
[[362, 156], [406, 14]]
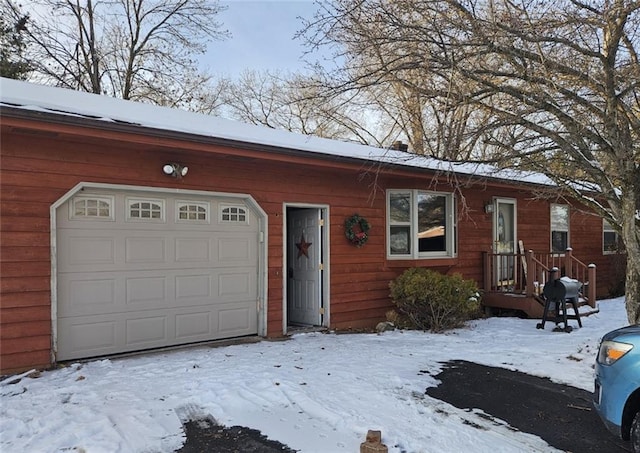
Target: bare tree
[[292, 102], [548, 86], [13, 64], [132, 49], [383, 70]]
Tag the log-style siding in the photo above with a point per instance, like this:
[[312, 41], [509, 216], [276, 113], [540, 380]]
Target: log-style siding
[[39, 168]]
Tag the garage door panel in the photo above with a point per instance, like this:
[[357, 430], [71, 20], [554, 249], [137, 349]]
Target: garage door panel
[[236, 250], [235, 320], [81, 294], [126, 285], [88, 295], [193, 250], [86, 337], [192, 326], [76, 253], [238, 284], [149, 292], [146, 250], [89, 336], [87, 250], [146, 331], [193, 287]]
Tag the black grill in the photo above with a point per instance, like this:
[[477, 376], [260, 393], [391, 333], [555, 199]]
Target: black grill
[[557, 293]]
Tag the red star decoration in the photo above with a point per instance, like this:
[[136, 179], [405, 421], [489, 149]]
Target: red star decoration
[[303, 247]]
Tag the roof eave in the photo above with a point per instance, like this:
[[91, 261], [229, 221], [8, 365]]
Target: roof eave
[[109, 125]]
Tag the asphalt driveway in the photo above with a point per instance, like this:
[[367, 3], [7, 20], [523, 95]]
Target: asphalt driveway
[[561, 415]]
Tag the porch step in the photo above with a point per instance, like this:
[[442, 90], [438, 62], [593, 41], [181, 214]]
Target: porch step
[[590, 312], [532, 306]]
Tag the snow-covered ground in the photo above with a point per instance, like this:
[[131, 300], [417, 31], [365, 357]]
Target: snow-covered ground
[[315, 393]]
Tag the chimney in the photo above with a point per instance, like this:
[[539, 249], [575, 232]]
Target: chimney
[[399, 146]]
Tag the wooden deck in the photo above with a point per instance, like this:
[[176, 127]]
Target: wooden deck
[[515, 282]]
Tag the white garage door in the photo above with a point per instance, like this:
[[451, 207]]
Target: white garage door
[[140, 270]]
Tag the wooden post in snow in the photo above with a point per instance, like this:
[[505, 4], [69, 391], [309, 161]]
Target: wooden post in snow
[[592, 285], [373, 444]]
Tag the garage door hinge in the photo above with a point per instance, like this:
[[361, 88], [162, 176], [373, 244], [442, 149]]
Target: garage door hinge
[[322, 310], [321, 222], [321, 266]]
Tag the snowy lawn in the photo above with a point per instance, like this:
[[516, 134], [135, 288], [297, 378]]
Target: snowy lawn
[[315, 393]]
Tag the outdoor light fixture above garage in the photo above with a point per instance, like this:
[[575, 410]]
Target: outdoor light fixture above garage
[[175, 170]]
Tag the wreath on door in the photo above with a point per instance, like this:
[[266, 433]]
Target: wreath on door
[[356, 229]]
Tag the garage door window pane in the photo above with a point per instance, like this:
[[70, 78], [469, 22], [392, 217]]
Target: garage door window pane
[[146, 210], [194, 212], [90, 207], [234, 214]]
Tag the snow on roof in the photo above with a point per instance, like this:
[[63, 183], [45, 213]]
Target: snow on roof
[[41, 98]]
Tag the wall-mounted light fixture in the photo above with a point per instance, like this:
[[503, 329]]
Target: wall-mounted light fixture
[[175, 170], [488, 208]]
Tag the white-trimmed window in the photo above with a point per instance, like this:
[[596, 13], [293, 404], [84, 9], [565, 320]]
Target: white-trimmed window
[[139, 209], [421, 224], [559, 228], [192, 211], [233, 214], [91, 207], [610, 239]]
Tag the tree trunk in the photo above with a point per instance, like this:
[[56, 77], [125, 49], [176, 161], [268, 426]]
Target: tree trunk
[[631, 239], [633, 293]]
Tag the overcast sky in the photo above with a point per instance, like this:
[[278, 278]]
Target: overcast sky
[[262, 36]]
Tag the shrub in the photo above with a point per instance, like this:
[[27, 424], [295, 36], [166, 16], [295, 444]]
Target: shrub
[[428, 300]]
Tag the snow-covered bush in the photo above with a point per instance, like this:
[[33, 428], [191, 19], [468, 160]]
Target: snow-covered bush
[[428, 300]]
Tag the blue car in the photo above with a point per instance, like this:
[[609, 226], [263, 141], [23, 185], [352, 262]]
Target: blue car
[[617, 387]]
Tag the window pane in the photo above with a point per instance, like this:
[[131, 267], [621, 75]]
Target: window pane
[[559, 241], [91, 207], [145, 210], [192, 212], [606, 226], [399, 240], [234, 214], [610, 238], [559, 217], [418, 225], [610, 241], [559, 227], [400, 208], [432, 214]]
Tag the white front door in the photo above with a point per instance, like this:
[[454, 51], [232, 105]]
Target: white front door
[[504, 240], [304, 267]]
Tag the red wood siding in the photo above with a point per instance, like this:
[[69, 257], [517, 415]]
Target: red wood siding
[[37, 170]]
